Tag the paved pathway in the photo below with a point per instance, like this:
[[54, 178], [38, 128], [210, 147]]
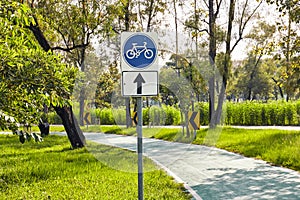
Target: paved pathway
[[213, 173]]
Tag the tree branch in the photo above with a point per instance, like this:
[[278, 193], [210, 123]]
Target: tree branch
[[69, 49], [196, 28], [218, 8], [243, 25], [38, 34]]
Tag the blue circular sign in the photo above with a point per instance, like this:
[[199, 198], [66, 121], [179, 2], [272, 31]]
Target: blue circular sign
[[139, 51]]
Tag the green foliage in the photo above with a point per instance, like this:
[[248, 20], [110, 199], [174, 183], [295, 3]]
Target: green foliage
[[106, 86], [172, 115], [248, 113], [257, 113], [119, 116], [288, 45], [164, 115], [157, 116], [49, 170], [106, 116], [203, 108], [53, 118], [30, 77]]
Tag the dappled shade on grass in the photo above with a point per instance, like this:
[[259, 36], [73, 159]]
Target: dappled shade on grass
[[52, 170]]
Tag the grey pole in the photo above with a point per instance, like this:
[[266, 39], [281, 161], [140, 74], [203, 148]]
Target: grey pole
[[140, 149]]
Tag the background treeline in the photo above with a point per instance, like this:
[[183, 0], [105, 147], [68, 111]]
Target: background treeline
[[250, 113]]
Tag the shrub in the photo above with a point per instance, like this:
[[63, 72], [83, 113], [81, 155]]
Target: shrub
[[250, 113], [297, 107], [53, 118], [256, 113], [157, 115], [146, 116], [172, 115], [119, 116], [203, 108], [106, 116]]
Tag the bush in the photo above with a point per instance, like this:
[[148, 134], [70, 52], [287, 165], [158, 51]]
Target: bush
[[248, 113], [157, 116], [267, 114], [203, 108], [53, 118], [297, 107], [172, 115], [106, 116], [119, 116]]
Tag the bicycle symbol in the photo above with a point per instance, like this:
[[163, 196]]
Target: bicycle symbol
[[136, 51]]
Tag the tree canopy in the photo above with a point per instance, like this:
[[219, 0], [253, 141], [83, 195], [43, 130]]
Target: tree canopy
[[30, 77]]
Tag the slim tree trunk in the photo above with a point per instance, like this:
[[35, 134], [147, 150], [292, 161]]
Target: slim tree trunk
[[127, 27], [128, 115], [81, 106], [226, 62], [212, 56], [82, 89]]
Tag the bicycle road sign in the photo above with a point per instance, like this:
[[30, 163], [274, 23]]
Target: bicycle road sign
[[139, 51]]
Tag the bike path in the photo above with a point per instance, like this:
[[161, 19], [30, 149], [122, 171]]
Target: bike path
[[213, 173]]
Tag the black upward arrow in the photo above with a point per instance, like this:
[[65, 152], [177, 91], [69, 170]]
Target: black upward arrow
[[139, 80]]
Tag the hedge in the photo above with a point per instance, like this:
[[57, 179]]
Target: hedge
[[254, 113], [248, 113]]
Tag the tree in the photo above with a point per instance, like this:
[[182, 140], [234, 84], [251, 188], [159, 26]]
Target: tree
[[148, 10], [261, 38], [30, 77], [253, 79], [107, 84], [230, 45], [68, 26], [288, 45], [75, 24]]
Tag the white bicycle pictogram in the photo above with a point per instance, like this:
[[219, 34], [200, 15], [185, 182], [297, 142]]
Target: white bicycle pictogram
[[136, 51]]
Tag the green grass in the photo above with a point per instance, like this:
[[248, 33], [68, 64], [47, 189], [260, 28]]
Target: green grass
[[278, 147], [50, 170]]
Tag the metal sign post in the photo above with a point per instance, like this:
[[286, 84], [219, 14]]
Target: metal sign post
[[139, 66]]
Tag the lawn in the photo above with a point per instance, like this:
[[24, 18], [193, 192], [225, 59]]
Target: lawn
[[51, 170], [279, 147]]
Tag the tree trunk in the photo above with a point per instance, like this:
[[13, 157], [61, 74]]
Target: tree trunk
[[212, 56], [74, 133], [81, 106], [225, 74], [188, 135], [249, 93], [127, 27], [128, 115], [70, 123], [280, 89]]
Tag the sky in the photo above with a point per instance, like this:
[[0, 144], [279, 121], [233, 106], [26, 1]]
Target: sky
[[167, 35]]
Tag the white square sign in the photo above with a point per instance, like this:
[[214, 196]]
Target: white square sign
[[139, 83]]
